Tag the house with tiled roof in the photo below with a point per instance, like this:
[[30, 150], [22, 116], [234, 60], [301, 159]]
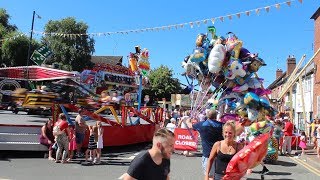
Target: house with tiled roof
[[298, 97]]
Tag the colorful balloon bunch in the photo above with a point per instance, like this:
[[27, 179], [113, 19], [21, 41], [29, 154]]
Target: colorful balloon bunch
[[238, 92], [139, 63], [232, 70]]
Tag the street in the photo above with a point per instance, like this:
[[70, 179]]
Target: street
[[115, 162]]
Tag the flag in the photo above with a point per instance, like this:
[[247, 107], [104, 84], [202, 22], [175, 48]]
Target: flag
[[40, 55]]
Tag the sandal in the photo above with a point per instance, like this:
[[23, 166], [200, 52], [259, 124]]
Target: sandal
[[51, 159], [57, 161]]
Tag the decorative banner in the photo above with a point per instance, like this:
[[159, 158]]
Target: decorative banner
[[184, 140], [168, 27], [180, 25]]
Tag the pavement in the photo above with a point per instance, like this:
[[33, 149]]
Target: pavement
[[116, 160]]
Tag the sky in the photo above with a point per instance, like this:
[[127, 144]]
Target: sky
[[274, 35]]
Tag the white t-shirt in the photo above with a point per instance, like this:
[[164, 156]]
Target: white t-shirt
[[170, 126], [183, 123]]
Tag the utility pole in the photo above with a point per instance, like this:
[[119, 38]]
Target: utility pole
[[29, 49]]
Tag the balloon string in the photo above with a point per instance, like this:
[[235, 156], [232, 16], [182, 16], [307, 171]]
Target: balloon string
[[201, 102], [202, 96], [196, 101], [192, 99], [216, 92]]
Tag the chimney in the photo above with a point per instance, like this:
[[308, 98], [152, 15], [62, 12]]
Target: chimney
[[278, 73], [291, 65]]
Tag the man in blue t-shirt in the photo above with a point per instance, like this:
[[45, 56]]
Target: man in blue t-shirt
[[210, 132]]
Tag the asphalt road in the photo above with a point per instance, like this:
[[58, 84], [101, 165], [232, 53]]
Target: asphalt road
[[115, 162]]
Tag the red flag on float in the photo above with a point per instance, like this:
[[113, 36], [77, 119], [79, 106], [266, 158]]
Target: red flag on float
[[185, 139]]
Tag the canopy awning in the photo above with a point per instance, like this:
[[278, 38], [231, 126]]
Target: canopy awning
[[36, 73]]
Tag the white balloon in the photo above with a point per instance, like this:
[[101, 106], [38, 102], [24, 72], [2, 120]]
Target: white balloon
[[216, 58]]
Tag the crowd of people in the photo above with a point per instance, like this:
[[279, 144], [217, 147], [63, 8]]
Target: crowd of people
[[67, 140], [220, 142]]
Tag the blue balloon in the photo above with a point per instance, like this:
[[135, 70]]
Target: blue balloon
[[264, 102], [251, 99]]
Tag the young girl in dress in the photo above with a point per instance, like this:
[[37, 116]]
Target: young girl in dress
[[92, 146], [72, 142], [303, 142], [99, 143]]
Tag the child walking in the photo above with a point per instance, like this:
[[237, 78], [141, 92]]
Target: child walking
[[99, 143], [92, 146], [72, 142], [303, 142]]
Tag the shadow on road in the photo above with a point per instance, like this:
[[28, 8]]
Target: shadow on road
[[284, 163]]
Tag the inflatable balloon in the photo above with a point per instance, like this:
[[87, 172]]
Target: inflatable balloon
[[133, 62], [251, 99], [272, 155], [235, 69], [247, 158], [264, 102], [216, 58], [255, 64], [244, 54], [252, 114], [252, 83], [226, 117], [199, 55], [143, 63], [234, 44]]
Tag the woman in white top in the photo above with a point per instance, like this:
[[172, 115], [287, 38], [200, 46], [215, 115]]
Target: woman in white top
[[171, 125]]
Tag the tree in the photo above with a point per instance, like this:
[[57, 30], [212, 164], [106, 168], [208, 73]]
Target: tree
[[5, 28], [4, 22], [162, 84], [70, 48], [15, 51]]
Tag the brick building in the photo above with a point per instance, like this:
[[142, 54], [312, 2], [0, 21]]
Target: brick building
[[316, 90]]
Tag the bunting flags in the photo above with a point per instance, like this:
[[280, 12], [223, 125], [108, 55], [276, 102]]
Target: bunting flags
[[256, 11], [40, 55]]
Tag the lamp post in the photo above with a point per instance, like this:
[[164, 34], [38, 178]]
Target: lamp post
[[29, 49]]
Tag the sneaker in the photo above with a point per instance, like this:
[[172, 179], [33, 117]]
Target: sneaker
[[79, 155], [90, 159], [265, 170]]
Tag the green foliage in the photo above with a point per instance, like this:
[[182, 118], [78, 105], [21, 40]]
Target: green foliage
[[5, 28], [4, 21], [15, 51], [74, 51], [162, 84]]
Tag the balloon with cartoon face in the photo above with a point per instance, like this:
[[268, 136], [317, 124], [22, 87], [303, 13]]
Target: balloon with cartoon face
[[235, 69], [255, 64]]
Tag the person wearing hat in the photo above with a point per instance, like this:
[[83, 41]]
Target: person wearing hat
[[287, 136], [171, 125]]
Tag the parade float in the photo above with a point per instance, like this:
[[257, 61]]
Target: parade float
[[230, 70], [124, 123]]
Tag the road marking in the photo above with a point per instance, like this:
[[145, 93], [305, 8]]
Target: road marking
[[136, 153], [131, 157], [121, 158], [307, 166], [122, 176]]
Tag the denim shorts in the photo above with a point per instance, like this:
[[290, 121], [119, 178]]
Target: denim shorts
[[79, 138], [204, 162], [218, 176]]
